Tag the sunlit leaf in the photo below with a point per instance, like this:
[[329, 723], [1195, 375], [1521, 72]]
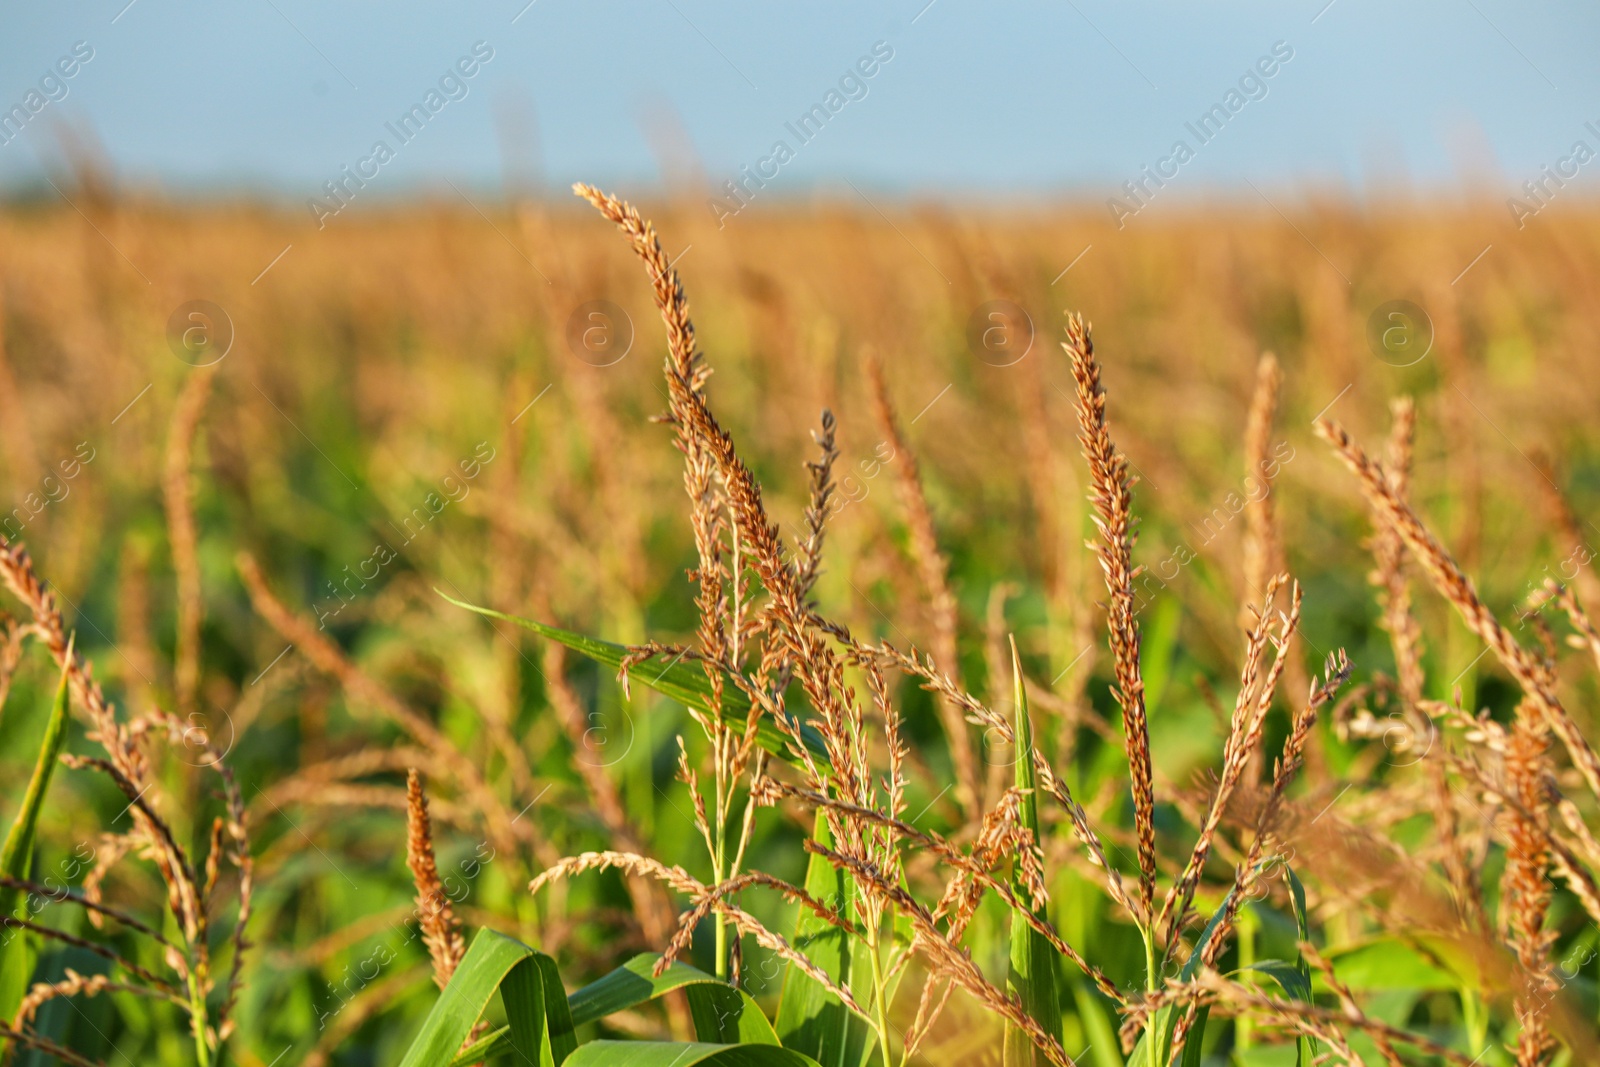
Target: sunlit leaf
[[20, 952], [1032, 974], [676, 1054], [684, 682], [810, 1019], [490, 959]]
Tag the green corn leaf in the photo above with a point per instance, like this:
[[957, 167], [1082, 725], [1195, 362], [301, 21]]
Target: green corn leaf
[[721, 1013], [20, 951], [1192, 1050], [489, 961], [1167, 1018], [676, 1054], [810, 1019], [633, 984], [1032, 975], [1287, 975], [1294, 978], [734, 1016], [1306, 1048], [1297, 894], [684, 682], [541, 1030], [1095, 1014], [557, 1009], [725, 1015], [1384, 964], [528, 1035], [533, 1036]]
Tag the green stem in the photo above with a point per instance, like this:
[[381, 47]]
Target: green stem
[[880, 1004], [719, 829], [1244, 1032], [197, 1015], [1152, 984], [722, 926]]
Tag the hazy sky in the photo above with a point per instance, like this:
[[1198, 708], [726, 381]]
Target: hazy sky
[[1068, 95]]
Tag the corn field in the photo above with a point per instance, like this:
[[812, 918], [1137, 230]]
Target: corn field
[[813, 637]]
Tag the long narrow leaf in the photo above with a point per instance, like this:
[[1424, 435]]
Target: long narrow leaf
[[557, 1009], [19, 952], [1095, 1014], [725, 1015], [1306, 1048], [676, 1054], [810, 1019], [1384, 964], [488, 961], [528, 1035], [1032, 976], [628, 986], [722, 1014], [1287, 975], [1167, 1018], [684, 682], [632, 984], [541, 1033], [1192, 1053]]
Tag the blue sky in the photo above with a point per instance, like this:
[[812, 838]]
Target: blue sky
[[1015, 98]]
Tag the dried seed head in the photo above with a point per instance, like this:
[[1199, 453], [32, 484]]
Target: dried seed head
[[441, 930], [1111, 492]]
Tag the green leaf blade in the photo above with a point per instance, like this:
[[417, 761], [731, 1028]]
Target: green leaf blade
[[488, 961], [685, 1054], [727, 1011], [528, 1035], [684, 682], [810, 1019], [725, 1015], [1032, 973], [1293, 983], [632, 984], [1192, 1050], [1167, 1018], [19, 954], [1306, 1048]]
